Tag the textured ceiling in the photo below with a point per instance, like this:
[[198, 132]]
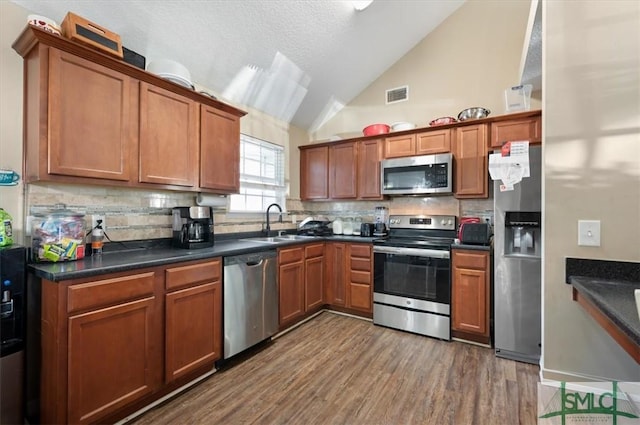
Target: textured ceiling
[[339, 51]]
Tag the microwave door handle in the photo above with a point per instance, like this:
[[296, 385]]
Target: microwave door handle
[[415, 252]]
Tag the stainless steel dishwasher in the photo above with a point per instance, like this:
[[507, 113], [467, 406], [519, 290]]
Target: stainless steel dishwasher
[[250, 300]]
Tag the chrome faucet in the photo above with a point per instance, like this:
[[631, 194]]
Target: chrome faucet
[[268, 228]]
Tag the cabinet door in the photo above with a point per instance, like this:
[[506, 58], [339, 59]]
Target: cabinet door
[[335, 260], [470, 162], [168, 137], [342, 171], [399, 146], [113, 354], [219, 150], [360, 278], [314, 173], [369, 156], [92, 119], [314, 279], [516, 130], [471, 294], [193, 323], [469, 301], [437, 141], [291, 292]]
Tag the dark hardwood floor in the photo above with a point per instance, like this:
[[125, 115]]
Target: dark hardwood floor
[[341, 370]]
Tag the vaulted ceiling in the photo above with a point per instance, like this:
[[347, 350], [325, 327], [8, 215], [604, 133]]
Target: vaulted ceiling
[[290, 58]]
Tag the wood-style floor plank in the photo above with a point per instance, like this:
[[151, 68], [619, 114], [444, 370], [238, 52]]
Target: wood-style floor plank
[[341, 370]]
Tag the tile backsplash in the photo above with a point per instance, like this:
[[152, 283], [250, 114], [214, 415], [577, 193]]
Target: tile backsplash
[[133, 214]]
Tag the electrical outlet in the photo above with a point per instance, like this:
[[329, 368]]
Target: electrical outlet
[[95, 218], [589, 232], [293, 218]]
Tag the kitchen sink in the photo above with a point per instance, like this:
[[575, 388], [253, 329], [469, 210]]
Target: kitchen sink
[[276, 239]]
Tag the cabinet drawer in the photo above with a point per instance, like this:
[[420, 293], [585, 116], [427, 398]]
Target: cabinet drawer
[[510, 131], [106, 292], [363, 278], [290, 255], [358, 250], [361, 264], [470, 259], [316, 250], [178, 277]]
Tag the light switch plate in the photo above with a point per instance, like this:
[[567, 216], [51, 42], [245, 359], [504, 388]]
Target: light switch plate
[[589, 232]]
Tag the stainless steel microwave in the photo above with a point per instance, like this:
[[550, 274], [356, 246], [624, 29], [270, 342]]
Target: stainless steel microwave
[[417, 175]]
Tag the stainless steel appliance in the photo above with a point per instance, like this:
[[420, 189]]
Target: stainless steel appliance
[[250, 300], [192, 227], [412, 275], [12, 323], [517, 266], [417, 175]]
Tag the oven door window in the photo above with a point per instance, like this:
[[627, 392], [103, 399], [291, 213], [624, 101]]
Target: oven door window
[[408, 276]]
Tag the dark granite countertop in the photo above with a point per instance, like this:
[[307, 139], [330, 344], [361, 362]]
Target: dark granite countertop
[[615, 299], [160, 254]]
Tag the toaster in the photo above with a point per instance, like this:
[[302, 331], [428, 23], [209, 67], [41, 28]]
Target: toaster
[[475, 233]]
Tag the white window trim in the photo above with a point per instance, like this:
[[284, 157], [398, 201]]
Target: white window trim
[[254, 182]]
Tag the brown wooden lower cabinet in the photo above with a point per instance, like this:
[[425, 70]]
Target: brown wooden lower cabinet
[[360, 277], [349, 276], [193, 318], [471, 295], [102, 338], [300, 282]]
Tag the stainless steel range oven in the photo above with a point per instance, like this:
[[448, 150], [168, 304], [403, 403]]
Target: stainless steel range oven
[[412, 275]]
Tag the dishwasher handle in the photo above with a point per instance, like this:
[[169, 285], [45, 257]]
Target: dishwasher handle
[[250, 260]]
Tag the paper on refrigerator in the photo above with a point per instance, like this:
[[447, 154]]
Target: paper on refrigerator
[[511, 165]]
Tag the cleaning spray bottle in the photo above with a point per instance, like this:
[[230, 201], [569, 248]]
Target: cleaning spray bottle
[[97, 239]]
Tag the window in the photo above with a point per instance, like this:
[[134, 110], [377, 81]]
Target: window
[[261, 176]]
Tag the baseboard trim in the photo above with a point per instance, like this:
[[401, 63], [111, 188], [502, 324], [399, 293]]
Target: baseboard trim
[[560, 375], [172, 394]]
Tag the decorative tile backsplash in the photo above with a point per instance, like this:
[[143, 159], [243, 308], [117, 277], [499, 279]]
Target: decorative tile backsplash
[[133, 214]]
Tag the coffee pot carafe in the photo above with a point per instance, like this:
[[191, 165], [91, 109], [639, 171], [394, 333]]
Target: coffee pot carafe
[[192, 227]]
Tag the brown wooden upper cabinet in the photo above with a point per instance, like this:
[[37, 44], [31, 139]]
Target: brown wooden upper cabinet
[[314, 173], [219, 150], [470, 162], [169, 137], [529, 128], [369, 157], [430, 142], [341, 170], [93, 119], [85, 126]]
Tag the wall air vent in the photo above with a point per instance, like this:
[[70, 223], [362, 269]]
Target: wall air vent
[[399, 94]]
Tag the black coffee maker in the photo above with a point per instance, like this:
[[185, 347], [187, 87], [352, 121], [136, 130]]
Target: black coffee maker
[[192, 227]]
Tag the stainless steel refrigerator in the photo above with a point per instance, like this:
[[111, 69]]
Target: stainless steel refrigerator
[[517, 266]]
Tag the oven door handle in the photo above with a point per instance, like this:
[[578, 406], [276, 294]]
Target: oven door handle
[[416, 252]]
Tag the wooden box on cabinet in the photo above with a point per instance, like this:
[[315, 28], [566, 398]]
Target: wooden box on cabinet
[[471, 295]]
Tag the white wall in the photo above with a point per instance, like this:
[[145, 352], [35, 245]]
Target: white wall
[[12, 20], [468, 60], [591, 85]]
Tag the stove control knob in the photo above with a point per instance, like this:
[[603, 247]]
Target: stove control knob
[[450, 222]]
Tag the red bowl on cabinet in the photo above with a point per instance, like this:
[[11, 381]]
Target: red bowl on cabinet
[[375, 129]]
